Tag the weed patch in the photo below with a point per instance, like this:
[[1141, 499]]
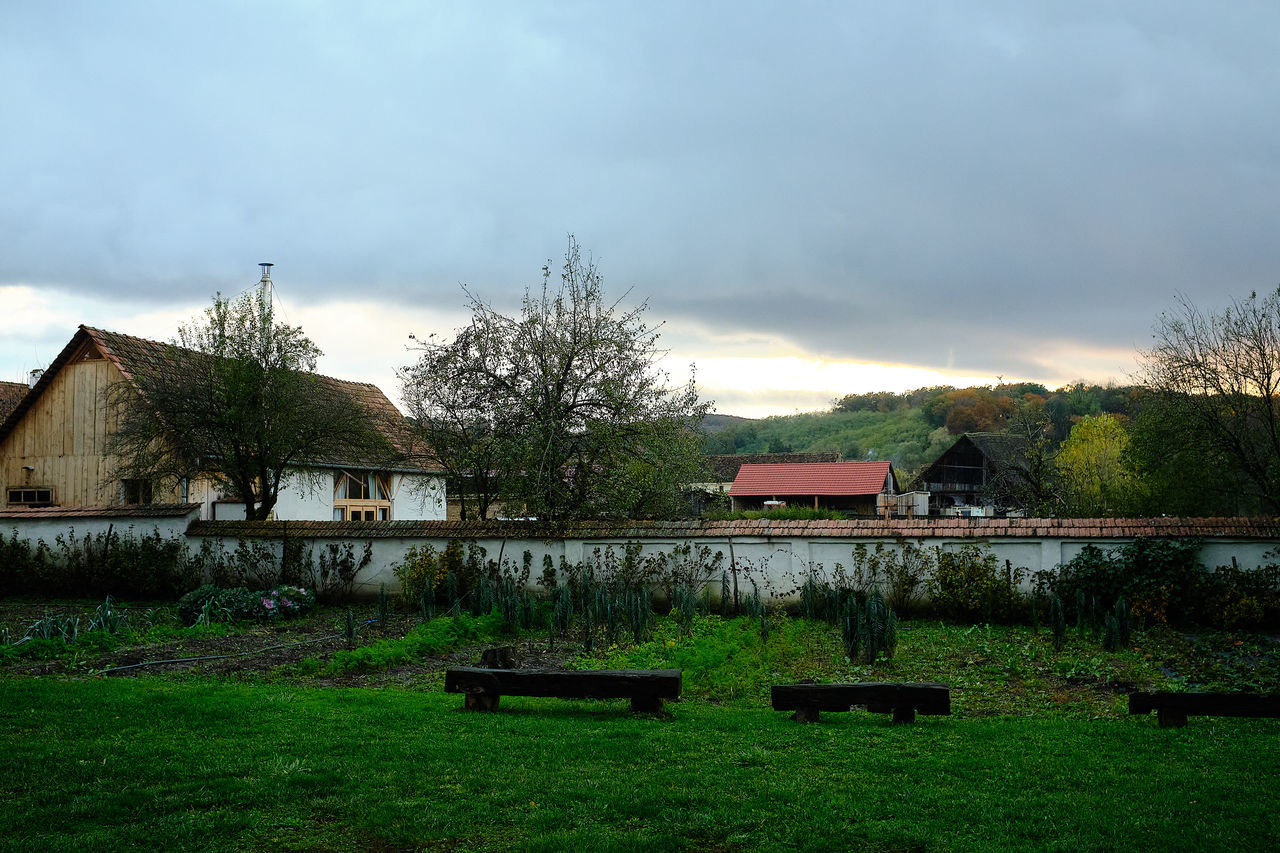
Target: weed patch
[[436, 637]]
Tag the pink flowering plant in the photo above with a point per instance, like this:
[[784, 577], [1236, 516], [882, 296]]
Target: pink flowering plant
[[212, 604], [283, 602]]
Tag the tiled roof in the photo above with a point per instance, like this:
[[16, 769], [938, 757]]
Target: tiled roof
[[132, 355], [920, 528], [135, 511], [812, 478], [724, 467], [1002, 451], [11, 394]]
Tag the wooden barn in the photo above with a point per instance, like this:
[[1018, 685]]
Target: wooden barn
[[972, 476], [53, 448]]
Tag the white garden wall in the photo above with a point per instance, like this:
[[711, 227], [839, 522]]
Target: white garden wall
[[777, 554]]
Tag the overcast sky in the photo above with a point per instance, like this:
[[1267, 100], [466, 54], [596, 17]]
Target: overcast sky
[[816, 198]]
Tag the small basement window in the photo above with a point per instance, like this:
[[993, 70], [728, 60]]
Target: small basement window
[[31, 496]]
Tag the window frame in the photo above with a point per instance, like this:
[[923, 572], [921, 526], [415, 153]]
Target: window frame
[[373, 502], [36, 500]]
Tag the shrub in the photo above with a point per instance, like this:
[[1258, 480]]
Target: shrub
[[335, 574], [191, 605], [125, 565], [968, 584], [1241, 598], [241, 604], [1160, 577], [907, 573], [25, 565], [419, 572]]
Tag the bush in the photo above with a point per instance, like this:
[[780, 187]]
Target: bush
[[968, 584], [1161, 578], [419, 572], [335, 575], [124, 565], [191, 605], [243, 604], [26, 566], [1236, 598]]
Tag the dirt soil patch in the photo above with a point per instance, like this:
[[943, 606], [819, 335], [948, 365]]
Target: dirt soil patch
[[255, 652]]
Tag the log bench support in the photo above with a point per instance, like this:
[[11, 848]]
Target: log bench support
[[483, 688], [1172, 709], [904, 700]]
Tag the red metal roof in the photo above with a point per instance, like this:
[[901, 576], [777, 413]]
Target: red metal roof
[[811, 478]]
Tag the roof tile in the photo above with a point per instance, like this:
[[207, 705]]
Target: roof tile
[[811, 478], [126, 511], [1249, 528]]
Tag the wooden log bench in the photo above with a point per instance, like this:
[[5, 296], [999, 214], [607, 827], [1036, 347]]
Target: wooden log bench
[[904, 700], [646, 688], [1172, 709]]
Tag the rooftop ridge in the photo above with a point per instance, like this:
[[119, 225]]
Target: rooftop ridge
[[96, 331]]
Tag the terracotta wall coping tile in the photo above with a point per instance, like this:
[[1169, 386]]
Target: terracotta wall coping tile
[[1249, 528]]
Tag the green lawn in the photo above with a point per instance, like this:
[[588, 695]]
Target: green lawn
[[105, 764]]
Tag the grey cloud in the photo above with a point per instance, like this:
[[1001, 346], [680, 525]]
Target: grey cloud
[[891, 182]]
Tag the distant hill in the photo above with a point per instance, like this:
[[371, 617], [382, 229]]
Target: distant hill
[[715, 422], [910, 429]]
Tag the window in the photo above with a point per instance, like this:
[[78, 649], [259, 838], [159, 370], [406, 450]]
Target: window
[[31, 496], [135, 491], [361, 496]]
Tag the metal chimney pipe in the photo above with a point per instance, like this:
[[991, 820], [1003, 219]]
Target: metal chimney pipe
[[265, 281]]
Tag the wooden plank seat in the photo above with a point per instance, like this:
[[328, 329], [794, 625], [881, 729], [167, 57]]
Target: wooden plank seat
[[646, 688], [904, 700], [1172, 709]]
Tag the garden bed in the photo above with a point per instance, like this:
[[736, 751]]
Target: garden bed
[[992, 670]]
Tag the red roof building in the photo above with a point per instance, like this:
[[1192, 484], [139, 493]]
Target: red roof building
[[845, 486]]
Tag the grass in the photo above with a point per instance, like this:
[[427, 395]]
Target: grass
[[110, 764], [428, 639], [1039, 754]]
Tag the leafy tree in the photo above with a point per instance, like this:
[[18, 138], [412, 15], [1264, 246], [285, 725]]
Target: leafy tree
[[1217, 377], [561, 411], [235, 400], [1096, 476], [1180, 478]]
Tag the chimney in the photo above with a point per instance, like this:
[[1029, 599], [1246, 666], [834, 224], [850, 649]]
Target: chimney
[[265, 281], [33, 377]]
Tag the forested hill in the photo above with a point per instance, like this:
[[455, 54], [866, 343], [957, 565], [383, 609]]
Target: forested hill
[[911, 429]]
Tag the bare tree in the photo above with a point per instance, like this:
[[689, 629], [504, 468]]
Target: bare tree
[[1217, 376], [1024, 473], [561, 411], [454, 414]]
